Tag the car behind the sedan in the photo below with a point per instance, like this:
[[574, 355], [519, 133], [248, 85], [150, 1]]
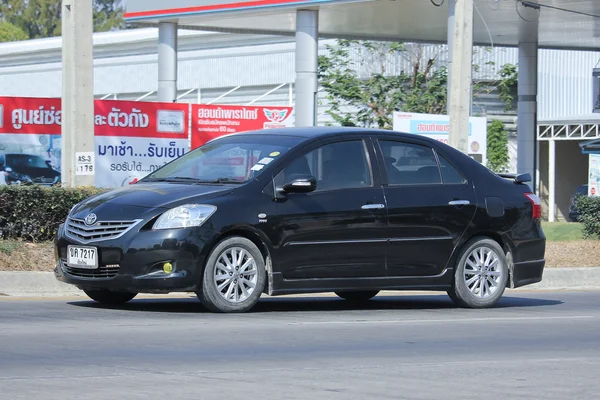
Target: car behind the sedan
[[308, 210]]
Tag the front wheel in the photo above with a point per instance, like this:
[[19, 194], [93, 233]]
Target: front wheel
[[481, 274], [358, 297], [234, 276], [110, 298]]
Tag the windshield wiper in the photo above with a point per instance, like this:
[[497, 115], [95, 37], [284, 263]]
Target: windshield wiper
[[227, 180], [152, 180]]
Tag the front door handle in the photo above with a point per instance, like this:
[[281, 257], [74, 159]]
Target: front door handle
[[459, 203], [372, 206]]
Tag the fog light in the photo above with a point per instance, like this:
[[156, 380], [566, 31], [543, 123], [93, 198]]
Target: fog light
[[167, 268]]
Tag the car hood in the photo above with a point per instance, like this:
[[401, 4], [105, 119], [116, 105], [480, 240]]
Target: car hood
[[35, 172], [148, 196]]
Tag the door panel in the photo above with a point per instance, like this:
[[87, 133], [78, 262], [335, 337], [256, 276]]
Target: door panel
[[330, 235], [338, 231], [428, 209]]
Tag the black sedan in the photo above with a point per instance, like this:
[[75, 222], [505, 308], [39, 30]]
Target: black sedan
[[308, 210]]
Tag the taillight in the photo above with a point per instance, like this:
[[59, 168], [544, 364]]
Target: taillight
[[536, 204]]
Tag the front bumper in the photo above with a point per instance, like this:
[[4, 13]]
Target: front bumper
[[134, 262]]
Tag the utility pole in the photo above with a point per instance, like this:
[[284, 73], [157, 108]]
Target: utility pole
[[78, 166], [450, 41], [461, 76]]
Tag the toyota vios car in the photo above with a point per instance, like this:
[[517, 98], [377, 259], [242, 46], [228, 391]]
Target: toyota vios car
[[307, 210]]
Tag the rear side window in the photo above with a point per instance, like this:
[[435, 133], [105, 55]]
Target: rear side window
[[449, 173], [410, 164]]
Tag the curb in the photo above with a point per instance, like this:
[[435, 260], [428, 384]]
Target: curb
[[575, 278], [25, 284], [44, 284]]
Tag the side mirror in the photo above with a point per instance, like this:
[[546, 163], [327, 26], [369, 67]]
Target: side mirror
[[300, 184]]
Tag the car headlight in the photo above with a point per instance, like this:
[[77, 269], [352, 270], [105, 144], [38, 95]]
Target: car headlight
[[185, 216]]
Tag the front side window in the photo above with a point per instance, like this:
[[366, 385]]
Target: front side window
[[410, 164], [235, 159], [340, 165]]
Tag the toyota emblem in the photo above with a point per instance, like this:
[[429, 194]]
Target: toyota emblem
[[91, 219]]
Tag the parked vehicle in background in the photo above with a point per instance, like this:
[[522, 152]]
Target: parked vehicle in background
[[573, 212], [307, 210], [22, 169]]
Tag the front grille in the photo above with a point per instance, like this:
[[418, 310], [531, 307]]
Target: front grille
[[103, 272], [101, 230]]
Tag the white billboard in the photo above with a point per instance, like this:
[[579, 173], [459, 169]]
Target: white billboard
[[437, 127]]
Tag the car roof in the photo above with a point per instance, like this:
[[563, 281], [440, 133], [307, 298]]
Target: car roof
[[313, 132]]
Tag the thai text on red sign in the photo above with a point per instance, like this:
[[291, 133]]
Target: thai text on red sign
[[212, 121], [31, 115]]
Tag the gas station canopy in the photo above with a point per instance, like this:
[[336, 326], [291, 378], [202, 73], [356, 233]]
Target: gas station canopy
[[563, 24]]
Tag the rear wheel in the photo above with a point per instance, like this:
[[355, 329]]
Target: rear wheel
[[110, 298], [358, 297], [481, 274], [234, 277]]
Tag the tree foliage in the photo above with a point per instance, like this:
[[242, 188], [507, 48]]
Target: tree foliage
[[508, 85], [497, 147], [42, 18], [364, 83], [11, 33], [108, 15]]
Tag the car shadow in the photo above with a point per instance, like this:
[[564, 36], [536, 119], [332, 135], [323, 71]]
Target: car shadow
[[315, 304]]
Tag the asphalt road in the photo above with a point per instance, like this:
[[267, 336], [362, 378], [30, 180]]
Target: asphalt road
[[542, 345]]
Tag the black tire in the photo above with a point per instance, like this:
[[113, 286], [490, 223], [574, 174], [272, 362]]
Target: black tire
[[211, 296], [110, 298], [358, 297], [460, 292]]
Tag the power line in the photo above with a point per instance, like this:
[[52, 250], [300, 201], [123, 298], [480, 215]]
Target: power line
[[538, 5]]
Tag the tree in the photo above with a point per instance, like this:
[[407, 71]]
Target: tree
[[497, 147], [42, 18], [508, 85], [366, 81], [364, 90], [108, 15], [37, 18], [10, 33]]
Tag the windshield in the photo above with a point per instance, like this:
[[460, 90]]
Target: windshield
[[233, 159], [25, 161]]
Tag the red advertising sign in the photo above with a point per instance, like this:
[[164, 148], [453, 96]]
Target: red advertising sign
[[131, 139], [212, 121], [137, 119], [31, 115]]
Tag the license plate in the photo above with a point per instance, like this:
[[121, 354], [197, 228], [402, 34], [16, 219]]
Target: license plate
[[82, 257]]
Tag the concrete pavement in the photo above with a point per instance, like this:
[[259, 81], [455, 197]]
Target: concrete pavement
[[534, 345]]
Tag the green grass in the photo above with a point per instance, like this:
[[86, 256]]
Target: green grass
[[562, 231], [9, 246]]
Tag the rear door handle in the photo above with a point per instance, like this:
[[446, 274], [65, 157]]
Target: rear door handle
[[459, 203], [372, 206]]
